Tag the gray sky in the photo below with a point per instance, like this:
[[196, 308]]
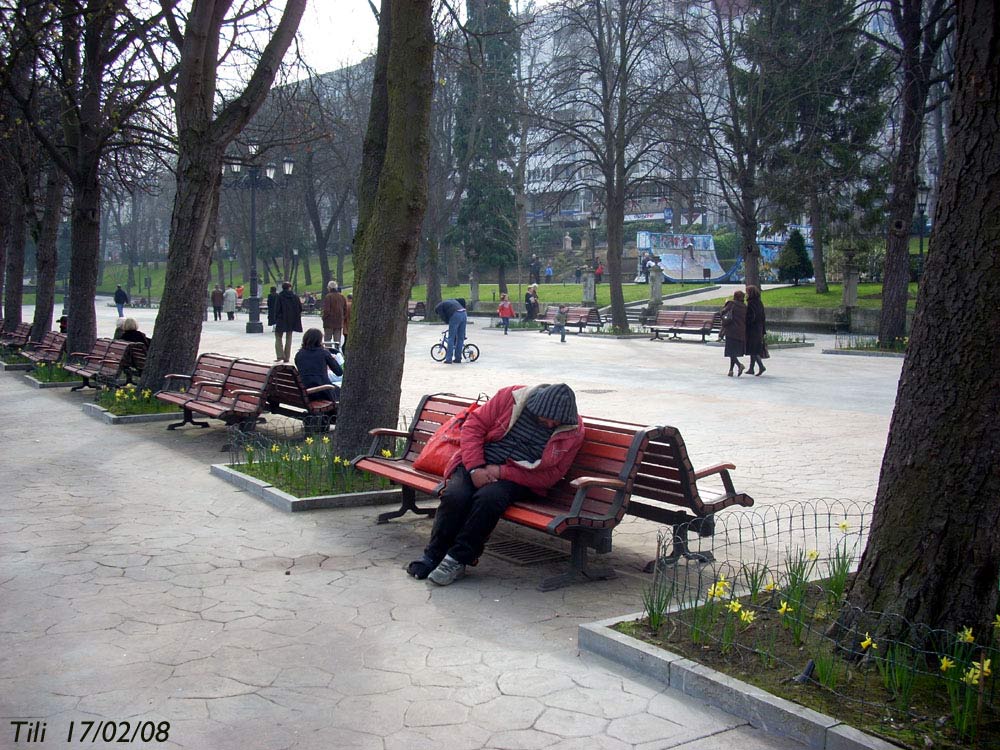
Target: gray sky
[[334, 33]]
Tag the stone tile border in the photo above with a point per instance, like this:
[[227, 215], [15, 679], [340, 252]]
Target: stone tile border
[[99, 412], [36, 383], [291, 504], [761, 709], [770, 347], [859, 353], [15, 366]]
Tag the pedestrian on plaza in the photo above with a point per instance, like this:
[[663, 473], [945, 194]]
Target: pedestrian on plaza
[[506, 312], [217, 300], [531, 302], [755, 330], [560, 325], [598, 271], [229, 302], [548, 273], [534, 270], [121, 299], [452, 312], [287, 319], [513, 448], [334, 307], [315, 363], [272, 301], [130, 332], [734, 321], [239, 295], [578, 274]]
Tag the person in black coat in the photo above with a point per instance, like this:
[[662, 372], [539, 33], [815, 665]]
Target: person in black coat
[[287, 320], [315, 362], [272, 300], [755, 330], [734, 320], [130, 332]]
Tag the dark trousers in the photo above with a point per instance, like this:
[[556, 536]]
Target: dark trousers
[[217, 311], [467, 516]]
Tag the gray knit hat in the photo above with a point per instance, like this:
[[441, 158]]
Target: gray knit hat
[[556, 402]]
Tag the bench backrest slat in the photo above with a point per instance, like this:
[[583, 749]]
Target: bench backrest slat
[[666, 474]]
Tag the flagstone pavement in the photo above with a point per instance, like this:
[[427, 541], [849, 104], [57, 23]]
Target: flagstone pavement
[[136, 587]]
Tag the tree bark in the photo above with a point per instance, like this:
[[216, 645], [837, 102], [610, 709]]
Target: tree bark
[[13, 291], [390, 218], [818, 227], [46, 261], [933, 554]]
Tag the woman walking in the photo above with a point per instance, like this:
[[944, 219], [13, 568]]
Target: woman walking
[[734, 321], [755, 330]]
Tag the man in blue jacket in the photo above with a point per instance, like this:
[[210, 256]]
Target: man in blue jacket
[[452, 312]]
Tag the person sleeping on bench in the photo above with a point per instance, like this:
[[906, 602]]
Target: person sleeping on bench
[[514, 447]]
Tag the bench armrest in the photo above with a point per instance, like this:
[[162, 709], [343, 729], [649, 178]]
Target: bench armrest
[[582, 484], [723, 471], [318, 388], [377, 434], [178, 376]]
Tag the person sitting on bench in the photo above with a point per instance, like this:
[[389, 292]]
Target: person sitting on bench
[[514, 447]]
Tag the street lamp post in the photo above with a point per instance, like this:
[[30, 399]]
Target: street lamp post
[[592, 221], [922, 192], [254, 179]]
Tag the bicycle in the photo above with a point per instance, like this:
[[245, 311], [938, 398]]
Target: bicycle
[[470, 352]]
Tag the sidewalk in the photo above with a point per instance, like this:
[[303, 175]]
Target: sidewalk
[[137, 587]]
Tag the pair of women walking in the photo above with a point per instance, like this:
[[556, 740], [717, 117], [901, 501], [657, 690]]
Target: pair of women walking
[[743, 328]]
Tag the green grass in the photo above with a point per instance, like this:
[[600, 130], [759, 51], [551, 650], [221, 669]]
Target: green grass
[[804, 295], [552, 293]]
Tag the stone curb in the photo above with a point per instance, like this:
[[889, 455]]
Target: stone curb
[[773, 347], [99, 412], [15, 367], [36, 383], [292, 504], [851, 353], [761, 709]]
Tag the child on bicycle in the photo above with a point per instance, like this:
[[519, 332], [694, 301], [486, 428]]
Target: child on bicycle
[[560, 326]]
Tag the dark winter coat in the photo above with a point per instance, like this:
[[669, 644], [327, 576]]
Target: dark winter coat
[[287, 312], [121, 297], [755, 327], [446, 308], [313, 365], [735, 329], [272, 302]]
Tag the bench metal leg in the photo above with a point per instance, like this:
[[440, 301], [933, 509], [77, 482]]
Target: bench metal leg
[[409, 504], [85, 384], [188, 419], [579, 571], [680, 546]]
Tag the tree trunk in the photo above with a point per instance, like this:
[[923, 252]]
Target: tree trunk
[[13, 291], [819, 262], [433, 276], [749, 250], [614, 196], [389, 220], [46, 260], [85, 241], [933, 554]]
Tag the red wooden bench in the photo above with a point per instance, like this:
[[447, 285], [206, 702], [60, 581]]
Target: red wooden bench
[[106, 364], [575, 316], [288, 396], [676, 322], [16, 338], [49, 349], [225, 388]]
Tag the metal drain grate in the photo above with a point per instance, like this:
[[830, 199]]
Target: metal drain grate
[[520, 552], [596, 392]]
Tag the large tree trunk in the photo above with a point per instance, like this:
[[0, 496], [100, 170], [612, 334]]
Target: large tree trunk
[[13, 292], [85, 234], [614, 197], [389, 220], [749, 249], [46, 260], [818, 227], [433, 276], [933, 555]]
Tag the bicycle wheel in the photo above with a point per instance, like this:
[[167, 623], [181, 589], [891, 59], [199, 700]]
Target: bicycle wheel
[[470, 352], [437, 352]]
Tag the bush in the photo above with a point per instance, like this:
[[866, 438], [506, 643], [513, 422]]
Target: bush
[[793, 261]]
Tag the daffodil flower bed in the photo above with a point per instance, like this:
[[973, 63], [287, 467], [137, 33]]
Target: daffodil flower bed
[[11, 357], [306, 469], [769, 628], [129, 399], [53, 373]]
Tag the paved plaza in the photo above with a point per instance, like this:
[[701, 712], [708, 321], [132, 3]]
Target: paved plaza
[[135, 586]]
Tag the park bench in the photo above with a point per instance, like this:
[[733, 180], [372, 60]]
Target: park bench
[[415, 308], [106, 364], [575, 316], [224, 388], [288, 396], [46, 351], [18, 337], [583, 507], [676, 322]]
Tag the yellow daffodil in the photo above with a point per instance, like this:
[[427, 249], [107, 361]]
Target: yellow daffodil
[[734, 606], [337, 461], [983, 667], [784, 609], [386, 454], [306, 457], [309, 441], [771, 586], [868, 643], [996, 622], [286, 457], [946, 664], [844, 526], [275, 448], [326, 440], [249, 449], [965, 635], [146, 393], [748, 616], [813, 555], [971, 676]]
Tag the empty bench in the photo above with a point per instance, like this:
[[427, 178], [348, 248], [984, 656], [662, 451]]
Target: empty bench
[[575, 316], [583, 507], [16, 338], [676, 322], [415, 308], [104, 365], [46, 351]]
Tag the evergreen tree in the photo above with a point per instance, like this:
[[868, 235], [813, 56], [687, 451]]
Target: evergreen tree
[[793, 260], [486, 124]]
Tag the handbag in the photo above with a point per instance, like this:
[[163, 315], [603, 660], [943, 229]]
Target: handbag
[[727, 316], [764, 353], [443, 444]]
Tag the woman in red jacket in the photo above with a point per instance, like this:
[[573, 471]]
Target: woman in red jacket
[[516, 446]]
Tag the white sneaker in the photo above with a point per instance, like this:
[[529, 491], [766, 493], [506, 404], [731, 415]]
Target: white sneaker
[[447, 572]]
